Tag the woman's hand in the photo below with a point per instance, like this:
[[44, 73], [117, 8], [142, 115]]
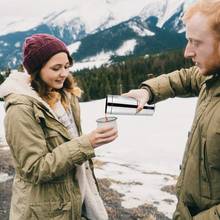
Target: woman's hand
[[141, 95], [102, 136]]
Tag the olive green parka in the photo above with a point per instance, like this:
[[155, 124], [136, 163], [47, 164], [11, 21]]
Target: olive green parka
[[45, 156], [198, 186]]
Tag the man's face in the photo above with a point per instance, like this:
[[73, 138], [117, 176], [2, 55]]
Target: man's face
[[202, 47]]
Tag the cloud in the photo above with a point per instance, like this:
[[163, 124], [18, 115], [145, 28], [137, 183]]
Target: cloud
[[27, 8]]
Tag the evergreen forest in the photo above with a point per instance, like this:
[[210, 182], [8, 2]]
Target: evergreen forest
[[122, 76]]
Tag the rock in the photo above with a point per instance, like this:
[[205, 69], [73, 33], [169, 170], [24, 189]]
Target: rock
[[169, 189], [5, 199], [6, 164], [113, 199]]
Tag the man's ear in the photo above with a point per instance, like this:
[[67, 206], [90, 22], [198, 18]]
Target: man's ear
[[219, 47]]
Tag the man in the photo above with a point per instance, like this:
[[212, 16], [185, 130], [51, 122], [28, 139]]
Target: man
[[198, 186]]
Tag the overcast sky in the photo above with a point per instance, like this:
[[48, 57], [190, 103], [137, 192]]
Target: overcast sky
[[27, 8]]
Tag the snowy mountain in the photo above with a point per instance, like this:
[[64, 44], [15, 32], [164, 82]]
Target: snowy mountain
[[100, 27]]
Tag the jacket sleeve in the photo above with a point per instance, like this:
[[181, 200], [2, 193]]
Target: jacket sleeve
[[182, 212], [28, 146], [209, 214], [181, 83]]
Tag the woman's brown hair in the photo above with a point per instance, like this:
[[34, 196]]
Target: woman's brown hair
[[52, 96]]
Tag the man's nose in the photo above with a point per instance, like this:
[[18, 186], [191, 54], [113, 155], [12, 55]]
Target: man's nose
[[189, 52]]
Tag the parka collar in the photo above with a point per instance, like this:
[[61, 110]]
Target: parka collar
[[212, 84]]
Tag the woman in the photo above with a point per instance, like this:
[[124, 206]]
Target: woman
[[54, 178]]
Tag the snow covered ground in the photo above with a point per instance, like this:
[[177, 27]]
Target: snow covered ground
[[2, 113], [147, 153]]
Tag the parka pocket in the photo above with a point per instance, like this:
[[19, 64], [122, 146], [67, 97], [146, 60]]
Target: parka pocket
[[213, 149], [213, 162], [53, 139], [51, 210], [205, 185]]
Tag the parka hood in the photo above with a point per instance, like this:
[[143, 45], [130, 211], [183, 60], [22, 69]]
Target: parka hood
[[17, 83], [16, 87]]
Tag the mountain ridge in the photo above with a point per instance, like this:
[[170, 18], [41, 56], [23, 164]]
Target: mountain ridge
[[155, 28]]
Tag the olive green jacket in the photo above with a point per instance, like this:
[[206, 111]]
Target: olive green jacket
[[45, 159], [198, 186]]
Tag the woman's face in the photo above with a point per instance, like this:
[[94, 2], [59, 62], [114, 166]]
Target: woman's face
[[55, 71]]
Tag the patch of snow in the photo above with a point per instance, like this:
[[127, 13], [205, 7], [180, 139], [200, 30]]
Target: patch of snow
[[20, 24], [126, 48], [74, 47], [14, 60], [91, 62], [18, 44], [104, 57], [2, 115], [141, 31], [163, 10], [4, 177]]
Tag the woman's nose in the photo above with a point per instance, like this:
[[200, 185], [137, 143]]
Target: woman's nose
[[64, 72]]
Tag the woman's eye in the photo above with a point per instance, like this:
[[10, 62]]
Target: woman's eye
[[55, 69]]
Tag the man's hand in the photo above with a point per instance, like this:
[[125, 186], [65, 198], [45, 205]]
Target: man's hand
[[141, 95]]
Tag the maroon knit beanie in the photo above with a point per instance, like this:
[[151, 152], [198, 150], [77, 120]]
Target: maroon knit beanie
[[39, 48]]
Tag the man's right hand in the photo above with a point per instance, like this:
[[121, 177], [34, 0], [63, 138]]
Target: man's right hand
[[141, 95]]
